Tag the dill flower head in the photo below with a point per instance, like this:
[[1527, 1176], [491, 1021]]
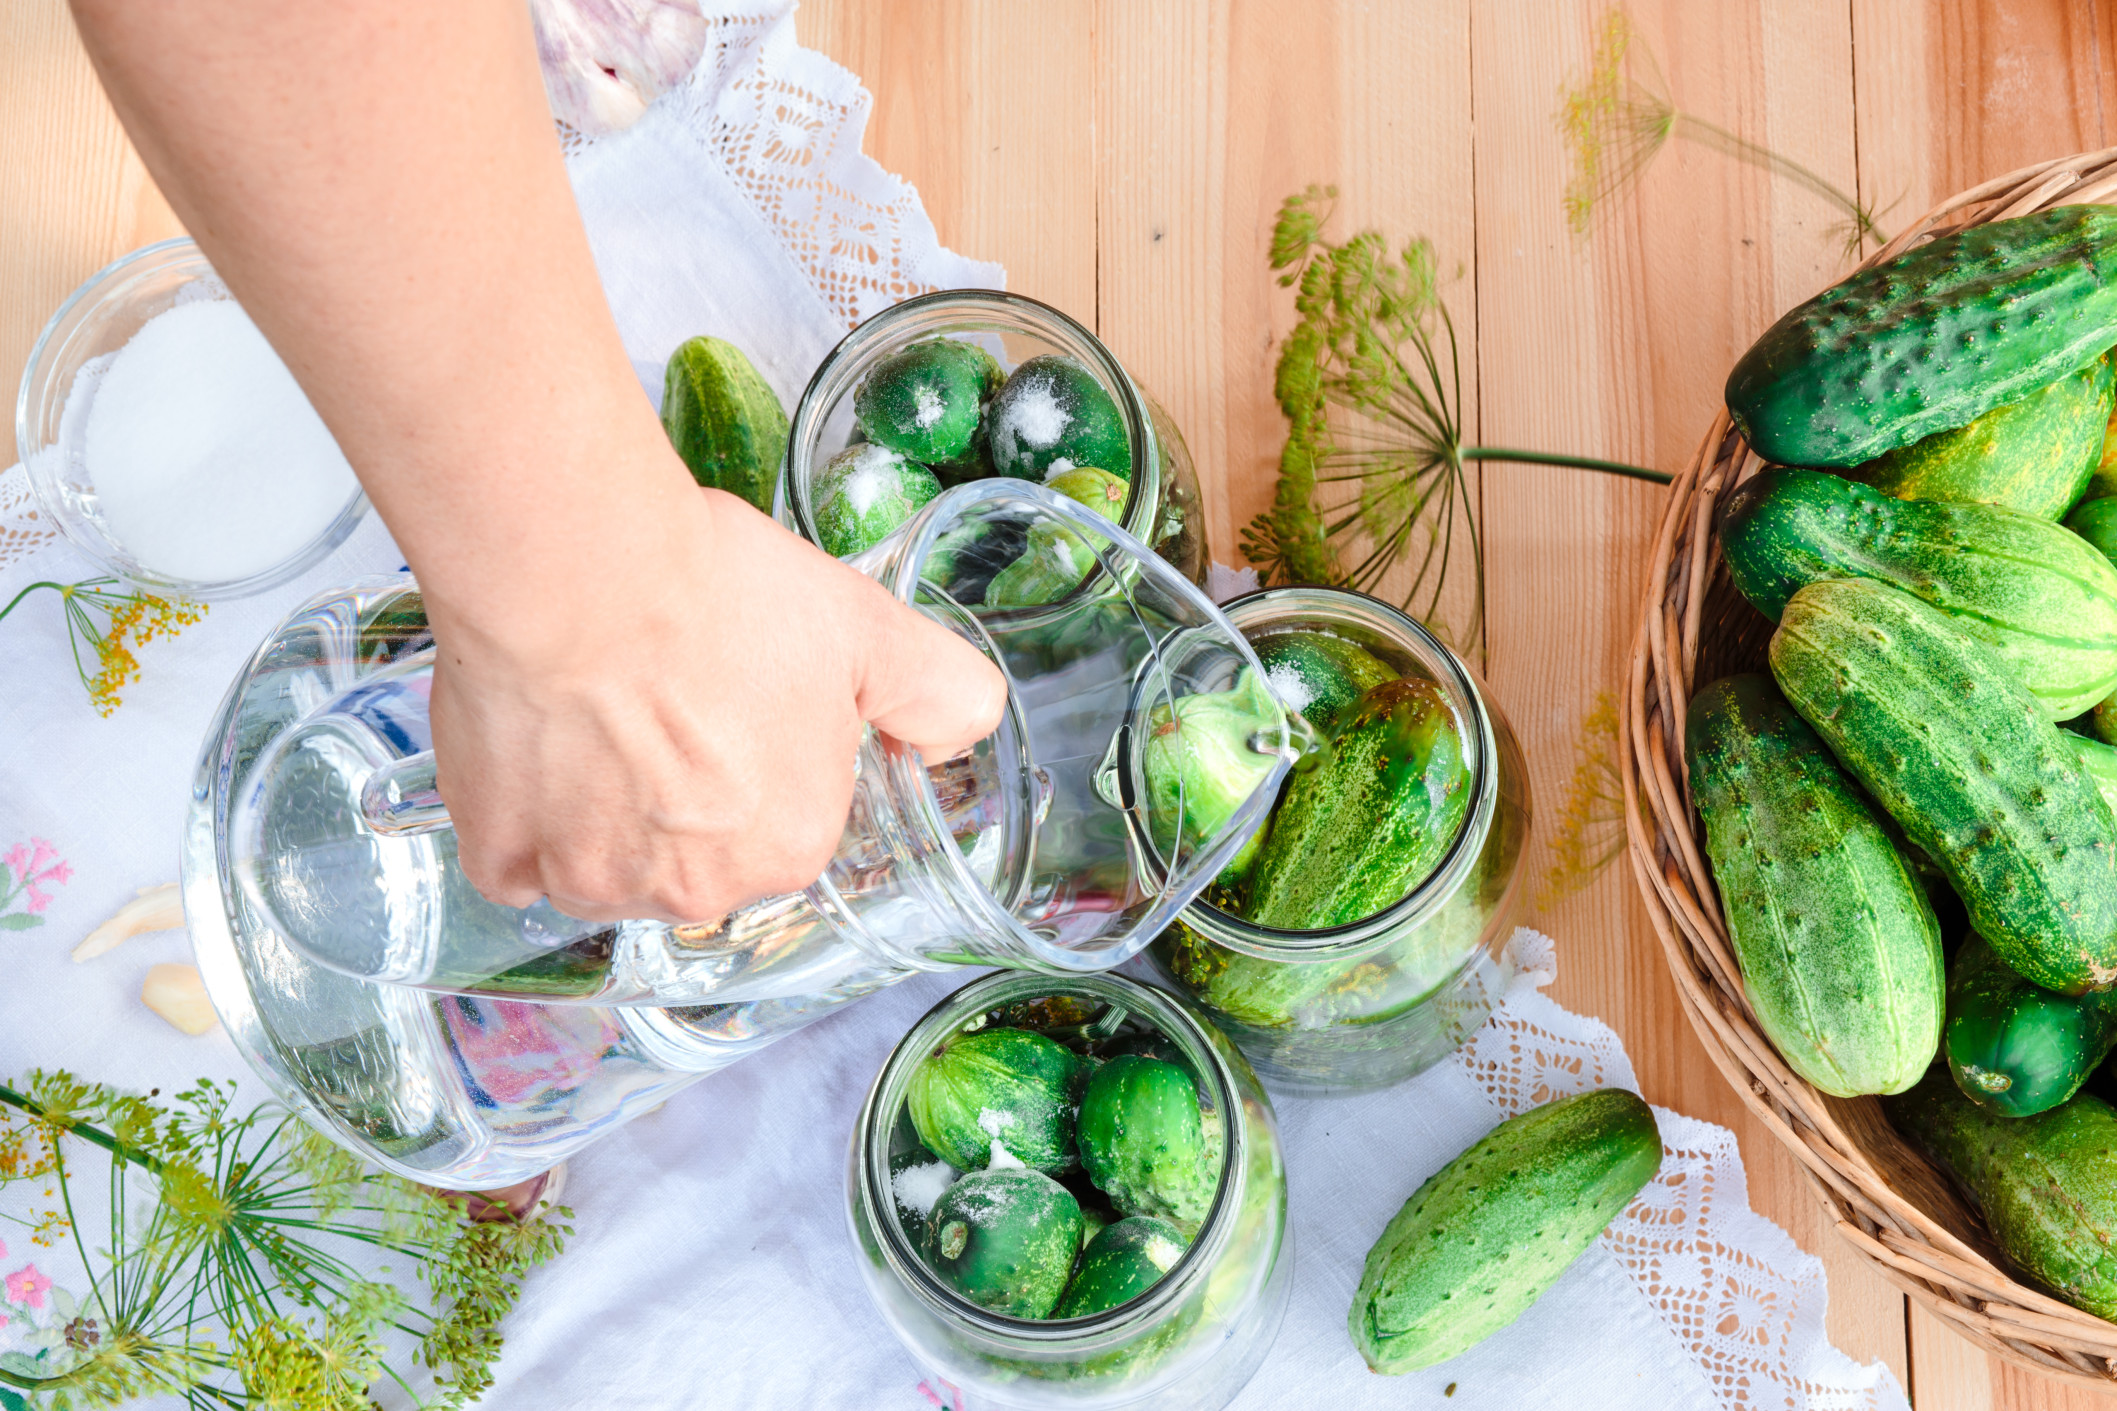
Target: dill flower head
[[1591, 822], [135, 620], [1615, 123]]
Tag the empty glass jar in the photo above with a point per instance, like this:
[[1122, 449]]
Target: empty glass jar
[[1162, 506], [1190, 1341], [1371, 1003]]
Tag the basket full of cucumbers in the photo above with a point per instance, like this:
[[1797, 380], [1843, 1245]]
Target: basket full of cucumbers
[[1871, 756]]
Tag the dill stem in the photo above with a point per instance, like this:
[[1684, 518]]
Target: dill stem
[[13, 602], [1682, 124], [1503, 453], [82, 1130]]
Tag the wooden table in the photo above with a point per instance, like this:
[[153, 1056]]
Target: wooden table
[[1125, 158]]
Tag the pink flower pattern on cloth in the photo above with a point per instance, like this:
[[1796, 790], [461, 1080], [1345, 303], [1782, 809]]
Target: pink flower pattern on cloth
[[27, 1287], [26, 870]]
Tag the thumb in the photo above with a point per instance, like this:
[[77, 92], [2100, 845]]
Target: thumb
[[926, 686]]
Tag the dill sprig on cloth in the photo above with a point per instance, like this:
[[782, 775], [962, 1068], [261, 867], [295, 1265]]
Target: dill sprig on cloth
[[1372, 493], [128, 619], [234, 1284]]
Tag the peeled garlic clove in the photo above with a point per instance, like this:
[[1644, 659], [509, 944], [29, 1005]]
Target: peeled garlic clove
[[178, 994], [154, 909]]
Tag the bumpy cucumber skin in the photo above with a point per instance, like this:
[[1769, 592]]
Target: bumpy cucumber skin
[[1961, 755], [2037, 594], [2017, 1048], [2046, 1185], [923, 401], [1479, 1243], [2034, 455], [1013, 1086], [1052, 413], [1143, 1142], [1320, 675], [1933, 339], [1006, 1239], [1840, 953], [2099, 759], [1119, 1264], [724, 420], [1355, 835]]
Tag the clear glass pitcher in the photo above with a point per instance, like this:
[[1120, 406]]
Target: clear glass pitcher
[[1040, 847]]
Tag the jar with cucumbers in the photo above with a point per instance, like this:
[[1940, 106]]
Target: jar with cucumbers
[[975, 384], [1357, 939], [1070, 1193]]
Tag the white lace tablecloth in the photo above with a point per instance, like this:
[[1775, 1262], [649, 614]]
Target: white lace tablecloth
[[710, 1264]]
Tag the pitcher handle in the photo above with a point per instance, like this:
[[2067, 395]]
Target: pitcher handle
[[399, 800]]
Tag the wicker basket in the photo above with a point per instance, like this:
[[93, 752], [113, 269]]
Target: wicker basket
[[1694, 627]]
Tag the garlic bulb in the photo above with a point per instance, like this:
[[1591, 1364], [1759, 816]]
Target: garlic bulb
[[606, 60]]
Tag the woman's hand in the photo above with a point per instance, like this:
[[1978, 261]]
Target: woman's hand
[[679, 739]]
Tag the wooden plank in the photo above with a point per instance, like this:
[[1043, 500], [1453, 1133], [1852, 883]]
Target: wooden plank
[[1949, 95], [987, 108], [1616, 345], [73, 195]]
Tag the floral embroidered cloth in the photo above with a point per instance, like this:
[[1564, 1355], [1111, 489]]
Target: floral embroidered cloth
[[710, 1264]]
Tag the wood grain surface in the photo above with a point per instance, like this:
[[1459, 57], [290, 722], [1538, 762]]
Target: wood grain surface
[[1125, 158]]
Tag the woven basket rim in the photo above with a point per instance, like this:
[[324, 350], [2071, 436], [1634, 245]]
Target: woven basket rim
[[1930, 1246]]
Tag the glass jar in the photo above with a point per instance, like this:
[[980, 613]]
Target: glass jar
[[58, 387], [1190, 1342], [1162, 508], [1371, 1003]]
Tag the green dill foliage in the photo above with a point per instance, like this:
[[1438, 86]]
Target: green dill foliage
[[1372, 493], [1591, 823], [1620, 116], [227, 1276]]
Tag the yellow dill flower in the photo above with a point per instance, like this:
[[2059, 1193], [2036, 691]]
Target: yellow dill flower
[[129, 619], [1591, 823]]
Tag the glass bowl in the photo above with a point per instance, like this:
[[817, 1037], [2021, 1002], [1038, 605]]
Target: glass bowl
[[1162, 509], [51, 422]]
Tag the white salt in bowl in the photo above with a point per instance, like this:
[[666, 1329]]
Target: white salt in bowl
[[52, 416]]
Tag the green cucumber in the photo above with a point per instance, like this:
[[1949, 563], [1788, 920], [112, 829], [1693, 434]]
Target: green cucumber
[[2046, 1184], [2036, 593], [1006, 1239], [2035, 455], [2015, 1047], [1488, 1233], [724, 420], [1099, 490], [1356, 834], [1319, 674], [923, 401], [1011, 1089], [1932, 339], [1962, 756], [2099, 759], [1200, 766], [1839, 950], [1053, 563], [1053, 414], [863, 494], [1143, 1142], [1119, 1264]]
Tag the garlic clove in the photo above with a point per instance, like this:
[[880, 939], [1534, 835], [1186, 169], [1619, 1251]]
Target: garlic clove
[[154, 909], [178, 994]]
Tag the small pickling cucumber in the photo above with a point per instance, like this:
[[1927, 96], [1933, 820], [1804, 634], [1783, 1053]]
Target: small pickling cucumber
[[1143, 1142], [2036, 593], [1963, 758], [999, 1089], [862, 494], [2015, 1047], [2045, 1184], [1839, 950], [1354, 835], [2099, 759], [1006, 1239], [2034, 455], [1119, 1264], [1053, 563], [923, 401], [1319, 674], [1201, 764], [1099, 490], [1932, 339], [1052, 414], [724, 420], [1488, 1233]]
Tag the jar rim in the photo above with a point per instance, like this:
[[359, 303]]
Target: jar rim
[[835, 379], [1451, 872], [878, 1116]]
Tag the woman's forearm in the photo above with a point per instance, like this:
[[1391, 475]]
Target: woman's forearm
[[381, 185]]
